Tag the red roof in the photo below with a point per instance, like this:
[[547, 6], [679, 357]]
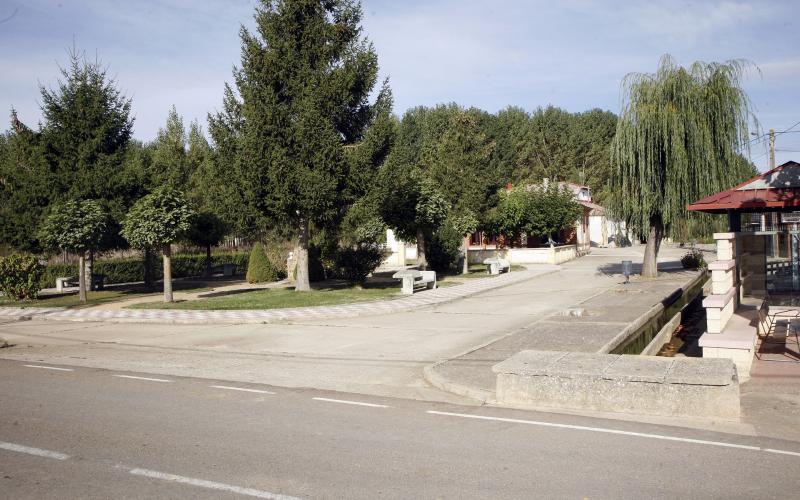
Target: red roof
[[775, 189]]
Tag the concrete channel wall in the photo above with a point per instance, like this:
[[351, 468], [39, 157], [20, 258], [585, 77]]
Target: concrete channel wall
[[646, 385]]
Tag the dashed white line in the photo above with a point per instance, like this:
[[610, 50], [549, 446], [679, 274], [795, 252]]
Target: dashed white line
[[50, 368], [599, 429], [202, 483], [357, 403], [143, 378], [33, 451], [243, 389], [782, 452]]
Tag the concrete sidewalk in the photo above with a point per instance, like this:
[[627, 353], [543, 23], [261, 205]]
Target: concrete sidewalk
[[589, 287]]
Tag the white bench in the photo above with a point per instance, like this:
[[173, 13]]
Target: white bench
[[497, 266], [98, 282], [411, 278]]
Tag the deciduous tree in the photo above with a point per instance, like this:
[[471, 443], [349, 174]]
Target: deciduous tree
[[678, 139]]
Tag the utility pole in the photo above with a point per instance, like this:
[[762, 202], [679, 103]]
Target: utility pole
[[771, 148]]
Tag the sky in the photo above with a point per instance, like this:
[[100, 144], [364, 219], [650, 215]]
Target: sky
[[489, 54]]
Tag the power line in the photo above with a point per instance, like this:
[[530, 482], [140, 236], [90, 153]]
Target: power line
[[790, 128]]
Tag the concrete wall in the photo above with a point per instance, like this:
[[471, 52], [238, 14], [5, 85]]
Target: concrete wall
[[645, 385], [543, 255]]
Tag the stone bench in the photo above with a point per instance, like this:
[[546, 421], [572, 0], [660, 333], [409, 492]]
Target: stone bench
[[98, 282], [411, 278], [497, 266], [645, 385], [226, 270]]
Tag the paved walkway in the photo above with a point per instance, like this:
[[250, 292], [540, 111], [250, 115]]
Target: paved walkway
[[589, 308], [418, 300]]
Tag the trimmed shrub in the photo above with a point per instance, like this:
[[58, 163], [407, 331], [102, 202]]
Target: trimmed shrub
[[444, 250], [132, 269], [259, 268], [693, 259], [356, 264], [20, 276]]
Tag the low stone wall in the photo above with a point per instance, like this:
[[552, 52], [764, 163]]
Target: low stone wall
[[679, 387], [543, 255]]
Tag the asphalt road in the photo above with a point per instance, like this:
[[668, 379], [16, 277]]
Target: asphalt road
[[91, 433]]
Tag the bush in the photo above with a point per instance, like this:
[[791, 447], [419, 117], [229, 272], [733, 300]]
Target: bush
[[132, 269], [355, 264], [259, 268], [444, 250], [20, 276], [693, 260]]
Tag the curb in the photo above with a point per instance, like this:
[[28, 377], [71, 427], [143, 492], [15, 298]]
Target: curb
[[439, 381]]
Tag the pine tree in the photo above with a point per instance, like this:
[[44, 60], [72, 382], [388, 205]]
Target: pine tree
[[304, 81]]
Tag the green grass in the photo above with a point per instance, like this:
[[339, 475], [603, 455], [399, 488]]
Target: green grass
[[68, 300], [278, 299], [477, 271]]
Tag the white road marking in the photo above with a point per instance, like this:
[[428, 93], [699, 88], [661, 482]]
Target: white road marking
[[607, 431], [50, 368], [782, 452], [33, 451], [243, 389], [202, 483], [143, 378], [357, 403]]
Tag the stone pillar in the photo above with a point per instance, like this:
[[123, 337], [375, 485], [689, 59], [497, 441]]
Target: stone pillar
[[725, 338]]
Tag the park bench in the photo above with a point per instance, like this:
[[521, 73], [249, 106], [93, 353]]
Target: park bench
[[497, 266], [224, 269], [98, 282], [411, 278]]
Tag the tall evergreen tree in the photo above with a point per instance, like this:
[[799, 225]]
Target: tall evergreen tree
[[678, 139], [170, 165], [87, 127], [304, 81]]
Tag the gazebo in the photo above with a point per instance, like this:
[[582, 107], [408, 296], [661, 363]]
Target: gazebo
[[758, 264]]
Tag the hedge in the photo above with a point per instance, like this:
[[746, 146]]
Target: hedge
[[132, 269]]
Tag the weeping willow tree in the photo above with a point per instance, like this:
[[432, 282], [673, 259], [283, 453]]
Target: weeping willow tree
[[679, 138]]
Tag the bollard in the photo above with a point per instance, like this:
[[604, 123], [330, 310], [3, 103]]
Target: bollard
[[626, 270]]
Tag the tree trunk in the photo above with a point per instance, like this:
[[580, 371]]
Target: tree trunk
[[167, 273], [149, 278], [89, 270], [422, 261], [208, 261], [301, 277], [465, 254], [650, 263], [82, 277]]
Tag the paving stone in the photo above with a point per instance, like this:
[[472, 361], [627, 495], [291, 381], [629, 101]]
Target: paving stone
[[639, 369], [702, 371], [581, 364]]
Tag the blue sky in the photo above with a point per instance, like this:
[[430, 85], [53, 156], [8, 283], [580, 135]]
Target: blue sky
[[488, 54]]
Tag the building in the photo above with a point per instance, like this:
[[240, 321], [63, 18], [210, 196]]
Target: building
[[758, 266]]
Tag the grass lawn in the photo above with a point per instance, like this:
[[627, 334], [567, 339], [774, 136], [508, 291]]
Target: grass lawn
[[278, 298], [68, 299]]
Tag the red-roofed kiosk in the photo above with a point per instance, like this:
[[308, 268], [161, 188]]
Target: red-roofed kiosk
[[758, 268]]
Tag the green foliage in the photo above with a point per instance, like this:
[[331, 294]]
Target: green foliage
[[362, 223], [206, 230], [130, 270], [158, 219], [678, 139], [76, 226], [259, 267], [444, 249], [535, 211], [305, 77], [410, 203], [356, 263], [19, 276], [170, 165], [693, 259]]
